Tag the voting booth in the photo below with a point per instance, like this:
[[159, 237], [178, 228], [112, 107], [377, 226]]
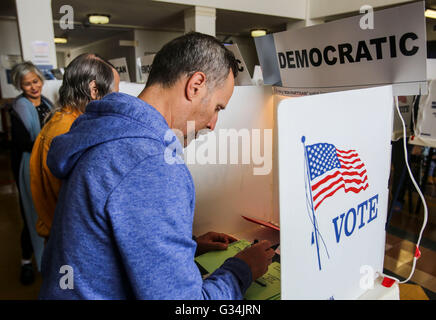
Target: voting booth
[[330, 112], [304, 160]]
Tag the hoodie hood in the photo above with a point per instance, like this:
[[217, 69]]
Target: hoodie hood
[[116, 116]]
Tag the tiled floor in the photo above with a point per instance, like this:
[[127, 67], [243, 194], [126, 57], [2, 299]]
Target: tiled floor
[[402, 233], [10, 231]]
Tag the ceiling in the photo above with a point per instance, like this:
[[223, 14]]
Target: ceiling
[[146, 14], [143, 14]]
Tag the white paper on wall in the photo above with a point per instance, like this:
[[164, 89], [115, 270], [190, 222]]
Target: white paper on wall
[[425, 131], [40, 52], [405, 104]]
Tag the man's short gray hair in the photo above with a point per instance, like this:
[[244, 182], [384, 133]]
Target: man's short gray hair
[[21, 69], [190, 53]]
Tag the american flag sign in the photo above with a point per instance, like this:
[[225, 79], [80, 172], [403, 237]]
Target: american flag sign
[[331, 170]]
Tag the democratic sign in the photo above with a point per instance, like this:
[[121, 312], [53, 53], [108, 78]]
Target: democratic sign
[[120, 65], [144, 64], [243, 78], [339, 55]]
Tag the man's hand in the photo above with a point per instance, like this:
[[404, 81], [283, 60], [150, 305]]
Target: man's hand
[[258, 257], [213, 241]]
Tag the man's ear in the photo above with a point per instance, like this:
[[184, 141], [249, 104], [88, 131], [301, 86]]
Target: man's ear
[[195, 84], [93, 90]]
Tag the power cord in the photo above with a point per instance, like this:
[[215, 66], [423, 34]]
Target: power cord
[[388, 281]]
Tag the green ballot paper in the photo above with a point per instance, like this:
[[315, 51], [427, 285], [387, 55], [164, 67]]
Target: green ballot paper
[[266, 287]]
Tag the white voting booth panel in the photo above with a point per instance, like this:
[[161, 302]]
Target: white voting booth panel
[[226, 190], [332, 220]]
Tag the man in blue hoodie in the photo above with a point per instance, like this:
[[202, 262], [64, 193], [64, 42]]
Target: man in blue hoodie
[[123, 222]]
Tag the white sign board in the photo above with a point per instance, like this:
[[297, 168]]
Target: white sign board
[[243, 78], [120, 65], [425, 131], [334, 160], [341, 54], [144, 64]]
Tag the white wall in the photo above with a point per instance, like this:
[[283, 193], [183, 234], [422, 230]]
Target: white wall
[[10, 41], [35, 24], [60, 57], [109, 49], [9, 45], [149, 42]]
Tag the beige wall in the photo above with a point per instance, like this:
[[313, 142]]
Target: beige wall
[[324, 8], [109, 49]]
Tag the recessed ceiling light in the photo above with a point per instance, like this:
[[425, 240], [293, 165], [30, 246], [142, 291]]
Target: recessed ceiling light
[[258, 33], [430, 13], [98, 18], [60, 40]]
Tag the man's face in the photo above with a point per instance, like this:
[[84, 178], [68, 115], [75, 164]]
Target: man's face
[[205, 114]]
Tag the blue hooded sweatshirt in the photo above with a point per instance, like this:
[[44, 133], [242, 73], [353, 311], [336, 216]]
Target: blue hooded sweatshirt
[[123, 222]]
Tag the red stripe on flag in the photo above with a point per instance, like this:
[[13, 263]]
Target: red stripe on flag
[[348, 157], [350, 162], [324, 180], [327, 188], [357, 181], [352, 189], [360, 166], [343, 151], [352, 173], [329, 195]]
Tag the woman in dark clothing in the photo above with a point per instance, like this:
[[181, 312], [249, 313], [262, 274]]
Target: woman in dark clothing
[[28, 112]]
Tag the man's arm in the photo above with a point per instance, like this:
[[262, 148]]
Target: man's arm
[[151, 212]]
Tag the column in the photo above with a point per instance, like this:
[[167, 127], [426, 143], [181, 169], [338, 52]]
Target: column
[[35, 24], [200, 19]]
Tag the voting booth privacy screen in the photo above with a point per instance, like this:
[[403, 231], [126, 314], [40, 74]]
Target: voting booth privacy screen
[[334, 158]]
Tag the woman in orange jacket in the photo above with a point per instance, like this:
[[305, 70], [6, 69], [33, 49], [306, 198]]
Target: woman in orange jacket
[[88, 77]]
